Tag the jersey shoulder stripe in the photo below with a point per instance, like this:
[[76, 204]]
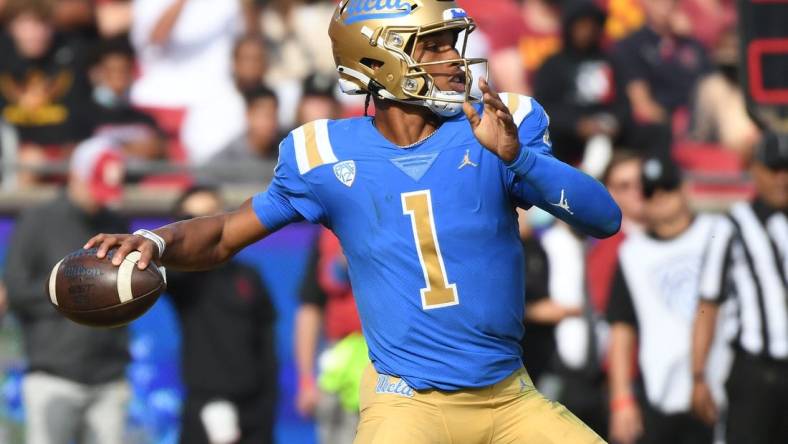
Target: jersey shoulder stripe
[[519, 105], [313, 146]]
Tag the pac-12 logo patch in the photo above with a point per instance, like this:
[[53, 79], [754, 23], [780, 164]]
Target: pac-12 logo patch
[[346, 172]]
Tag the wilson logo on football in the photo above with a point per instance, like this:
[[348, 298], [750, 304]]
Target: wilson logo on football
[[358, 10]]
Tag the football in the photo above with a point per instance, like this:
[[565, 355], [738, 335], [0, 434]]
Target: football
[[94, 292]]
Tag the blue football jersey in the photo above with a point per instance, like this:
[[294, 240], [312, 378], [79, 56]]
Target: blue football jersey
[[431, 237]]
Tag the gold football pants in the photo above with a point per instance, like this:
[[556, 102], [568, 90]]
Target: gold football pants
[[509, 412]]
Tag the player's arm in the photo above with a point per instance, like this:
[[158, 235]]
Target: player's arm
[[206, 242], [308, 322], [558, 188], [626, 424], [191, 245], [703, 404], [713, 277], [166, 23]]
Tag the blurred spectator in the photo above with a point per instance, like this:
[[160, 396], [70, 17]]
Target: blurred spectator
[[580, 338], [228, 356], [252, 11], [651, 308], [747, 262], [294, 54], [112, 74], [43, 87], [252, 156], [136, 141], [75, 17], [318, 100], [622, 177], [577, 86], [542, 36], [622, 180], [290, 28], [326, 298], [709, 20], [500, 24], [659, 68], [185, 49], [720, 112], [75, 388], [249, 62], [113, 17], [541, 312], [624, 17]]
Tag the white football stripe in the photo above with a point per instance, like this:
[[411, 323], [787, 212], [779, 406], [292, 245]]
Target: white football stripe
[[53, 283], [125, 271], [323, 142]]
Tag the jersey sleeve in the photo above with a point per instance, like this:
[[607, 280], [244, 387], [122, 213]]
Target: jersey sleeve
[[537, 178], [289, 198], [716, 262]]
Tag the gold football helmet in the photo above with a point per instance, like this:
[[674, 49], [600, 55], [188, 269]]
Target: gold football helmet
[[374, 42]]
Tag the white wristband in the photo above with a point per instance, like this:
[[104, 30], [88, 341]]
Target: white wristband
[[153, 237]]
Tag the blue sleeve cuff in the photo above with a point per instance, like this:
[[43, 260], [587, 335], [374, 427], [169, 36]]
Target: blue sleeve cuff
[[523, 163]]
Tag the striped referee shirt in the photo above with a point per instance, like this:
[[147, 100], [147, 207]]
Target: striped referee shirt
[[747, 259]]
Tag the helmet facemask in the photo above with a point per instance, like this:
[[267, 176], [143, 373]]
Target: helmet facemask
[[421, 86]]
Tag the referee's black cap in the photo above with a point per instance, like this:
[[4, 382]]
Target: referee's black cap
[[660, 173], [772, 151]]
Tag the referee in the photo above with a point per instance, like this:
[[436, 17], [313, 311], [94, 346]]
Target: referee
[[747, 260]]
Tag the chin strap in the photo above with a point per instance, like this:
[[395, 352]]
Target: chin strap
[[445, 105], [441, 103]]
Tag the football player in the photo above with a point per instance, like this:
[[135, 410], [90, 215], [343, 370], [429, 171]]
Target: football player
[[422, 197]]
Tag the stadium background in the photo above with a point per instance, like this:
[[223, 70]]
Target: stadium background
[[716, 174]]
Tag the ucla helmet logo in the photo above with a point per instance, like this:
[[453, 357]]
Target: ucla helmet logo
[[358, 10]]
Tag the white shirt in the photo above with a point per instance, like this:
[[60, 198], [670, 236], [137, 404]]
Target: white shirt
[[193, 70], [197, 57], [566, 285], [662, 278]]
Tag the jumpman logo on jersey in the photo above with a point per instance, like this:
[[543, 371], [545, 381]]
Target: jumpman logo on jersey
[[466, 161], [563, 203]]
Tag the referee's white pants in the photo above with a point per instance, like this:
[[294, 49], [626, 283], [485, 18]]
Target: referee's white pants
[[59, 411]]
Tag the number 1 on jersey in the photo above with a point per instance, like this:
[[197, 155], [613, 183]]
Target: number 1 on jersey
[[439, 292]]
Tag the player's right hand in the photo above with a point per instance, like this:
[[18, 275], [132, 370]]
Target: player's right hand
[[703, 405], [125, 243], [626, 424]]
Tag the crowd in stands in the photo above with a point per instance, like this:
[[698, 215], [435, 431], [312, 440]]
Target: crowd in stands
[[646, 75], [631, 87]]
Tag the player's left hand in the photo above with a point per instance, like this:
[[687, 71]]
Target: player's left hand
[[495, 128]]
